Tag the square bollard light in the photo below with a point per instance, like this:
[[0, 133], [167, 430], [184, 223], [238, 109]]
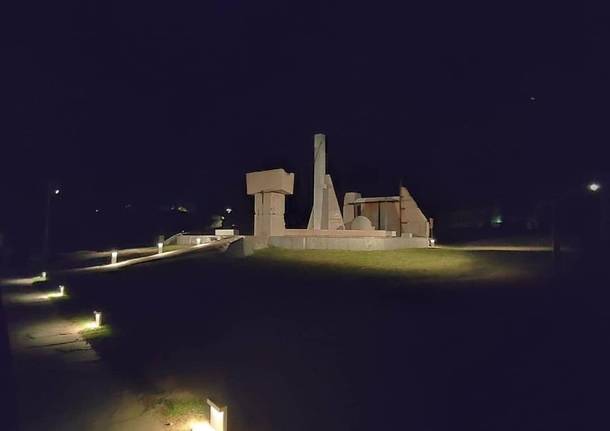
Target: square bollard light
[[160, 247], [114, 257], [98, 319], [43, 275], [218, 416], [198, 240], [62, 290]]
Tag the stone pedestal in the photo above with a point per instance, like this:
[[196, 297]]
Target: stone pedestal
[[269, 189]]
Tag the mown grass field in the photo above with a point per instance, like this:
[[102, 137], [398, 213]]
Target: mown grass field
[[436, 338], [431, 265]]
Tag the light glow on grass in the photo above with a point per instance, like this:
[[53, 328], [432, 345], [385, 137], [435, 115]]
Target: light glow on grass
[[200, 426], [60, 292], [432, 264]]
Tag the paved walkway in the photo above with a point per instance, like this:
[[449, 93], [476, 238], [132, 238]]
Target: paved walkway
[[61, 383], [222, 245]]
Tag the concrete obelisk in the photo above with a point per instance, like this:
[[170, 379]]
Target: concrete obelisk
[[319, 174]]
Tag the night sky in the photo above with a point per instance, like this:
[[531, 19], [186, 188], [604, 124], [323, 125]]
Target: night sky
[[159, 102]]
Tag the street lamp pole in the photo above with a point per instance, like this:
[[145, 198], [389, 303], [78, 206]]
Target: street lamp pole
[[47, 222], [593, 187]]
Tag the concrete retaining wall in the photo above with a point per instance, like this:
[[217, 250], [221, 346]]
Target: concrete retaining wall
[[363, 243], [192, 239]]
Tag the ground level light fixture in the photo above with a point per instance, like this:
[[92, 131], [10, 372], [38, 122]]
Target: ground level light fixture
[[114, 257], [160, 247], [98, 319], [218, 416], [201, 426]]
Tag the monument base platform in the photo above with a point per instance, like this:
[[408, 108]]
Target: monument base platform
[[353, 244]]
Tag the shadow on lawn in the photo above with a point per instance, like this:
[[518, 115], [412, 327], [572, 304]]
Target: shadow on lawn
[[294, 345]]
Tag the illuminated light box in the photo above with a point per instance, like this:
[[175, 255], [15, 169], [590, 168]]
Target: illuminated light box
[[218, 416], [201, 426], [98, 319]]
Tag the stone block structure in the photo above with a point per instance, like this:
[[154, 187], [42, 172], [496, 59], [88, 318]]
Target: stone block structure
[[269, 189], [367, 223], [325, 213]]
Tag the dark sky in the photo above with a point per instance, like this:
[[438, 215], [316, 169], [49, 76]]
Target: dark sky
[[160, 101]]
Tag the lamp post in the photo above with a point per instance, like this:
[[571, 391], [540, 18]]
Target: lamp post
[[50, 192], [593, 187]]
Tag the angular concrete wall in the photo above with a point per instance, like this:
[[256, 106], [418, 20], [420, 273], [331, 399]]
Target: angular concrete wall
[[331, 214], [412, 219]]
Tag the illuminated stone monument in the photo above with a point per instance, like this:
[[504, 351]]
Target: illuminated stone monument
[[367, 223], [325, 213], [269, 189]]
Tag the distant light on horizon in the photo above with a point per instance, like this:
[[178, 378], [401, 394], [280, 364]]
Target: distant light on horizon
[[594, 186], [56, 191]]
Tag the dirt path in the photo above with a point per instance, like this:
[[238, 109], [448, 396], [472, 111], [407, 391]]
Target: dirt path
[[61, 382]]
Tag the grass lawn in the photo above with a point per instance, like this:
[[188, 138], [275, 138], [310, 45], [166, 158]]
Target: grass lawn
[[432, 265], [326, 340]]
